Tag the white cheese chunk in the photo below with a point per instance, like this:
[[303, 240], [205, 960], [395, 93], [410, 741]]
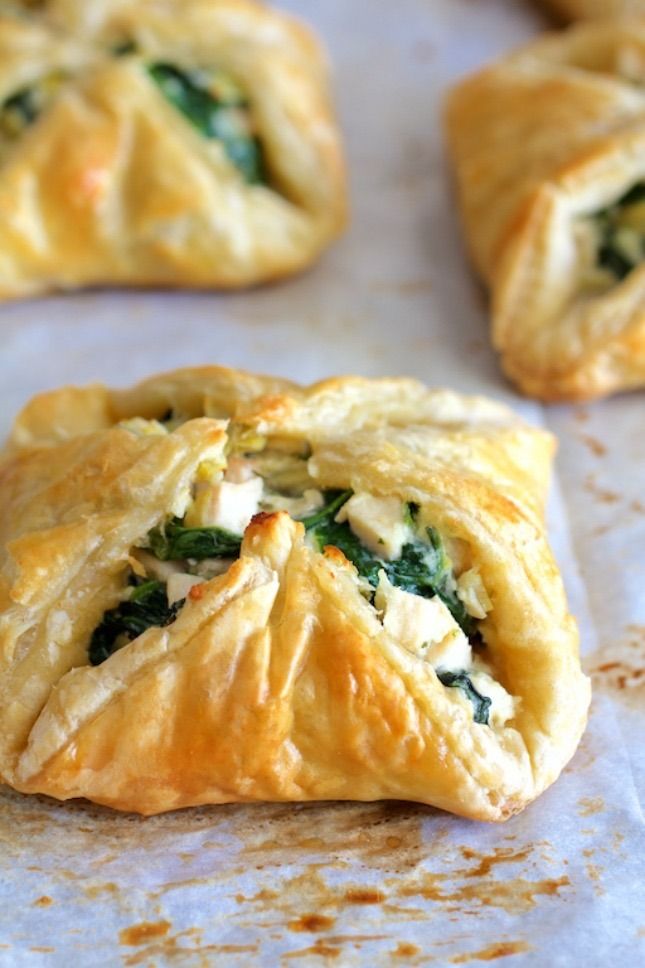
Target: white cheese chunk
[[179, 585], [471, 592], [423, 626], [502, 703], [142, 427], [226, 505], [298, 507], [378, 523]]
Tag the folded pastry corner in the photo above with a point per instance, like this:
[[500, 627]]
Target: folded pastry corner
[[189, 144], [218, 587], [548, 146]]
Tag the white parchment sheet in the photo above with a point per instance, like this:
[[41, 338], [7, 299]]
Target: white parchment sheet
[[362, 884]]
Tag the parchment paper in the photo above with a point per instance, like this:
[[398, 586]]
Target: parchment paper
[[362, 884]]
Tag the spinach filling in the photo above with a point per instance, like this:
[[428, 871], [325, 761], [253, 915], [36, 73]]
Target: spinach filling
[[18, 111], [23, 107], [621, 229], [147, 607], [423, 569], [459, 680], [216, 107], [173, 541]]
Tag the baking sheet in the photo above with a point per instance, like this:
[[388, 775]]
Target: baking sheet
[[362, 884]]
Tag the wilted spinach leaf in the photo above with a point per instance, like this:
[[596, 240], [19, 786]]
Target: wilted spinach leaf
[[146, 607], [225, 120], [173, 541], [459, 680]]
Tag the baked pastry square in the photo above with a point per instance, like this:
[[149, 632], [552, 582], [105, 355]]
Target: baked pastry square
[[548, 147], [219, 587], [187, 143]]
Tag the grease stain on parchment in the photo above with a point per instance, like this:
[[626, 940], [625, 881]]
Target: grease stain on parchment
[[312, 923], [502, 950], [175, 947], [587, 806], [619, 668], [141, 933], [405, 950], [314, 863]]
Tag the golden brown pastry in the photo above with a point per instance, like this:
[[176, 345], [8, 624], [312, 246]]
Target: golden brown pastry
[[548, 146], [183, 143], [596, 9], [220, 587]]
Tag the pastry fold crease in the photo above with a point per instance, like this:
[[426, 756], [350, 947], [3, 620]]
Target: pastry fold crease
[[278, 679], [548, 146]]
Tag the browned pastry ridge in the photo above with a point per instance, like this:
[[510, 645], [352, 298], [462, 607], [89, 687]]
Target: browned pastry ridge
[[548, 146], [281, 671], [188, 143]]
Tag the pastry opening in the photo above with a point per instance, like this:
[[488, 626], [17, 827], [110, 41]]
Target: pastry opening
[[425, 590], [23, 107], [216, 106], [613, 240]]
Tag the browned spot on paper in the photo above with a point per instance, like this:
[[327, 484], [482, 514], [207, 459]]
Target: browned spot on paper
[[474, 885], [595, 446], [360, 895], [620, 667], [493, 952], [170, 951], [405, 950], [638, 507], [43, 901], [515, 896], [581, 415], [594, 873], [486, 862], [602, 494], [138, 934], [590, 805], [259, 898], [344, 938], [46, 949], [312, 923], [95, 890], [319, 948]]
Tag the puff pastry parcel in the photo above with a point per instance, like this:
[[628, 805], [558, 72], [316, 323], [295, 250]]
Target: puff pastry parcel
[[219, 587], [549, 151], [182, 143]]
